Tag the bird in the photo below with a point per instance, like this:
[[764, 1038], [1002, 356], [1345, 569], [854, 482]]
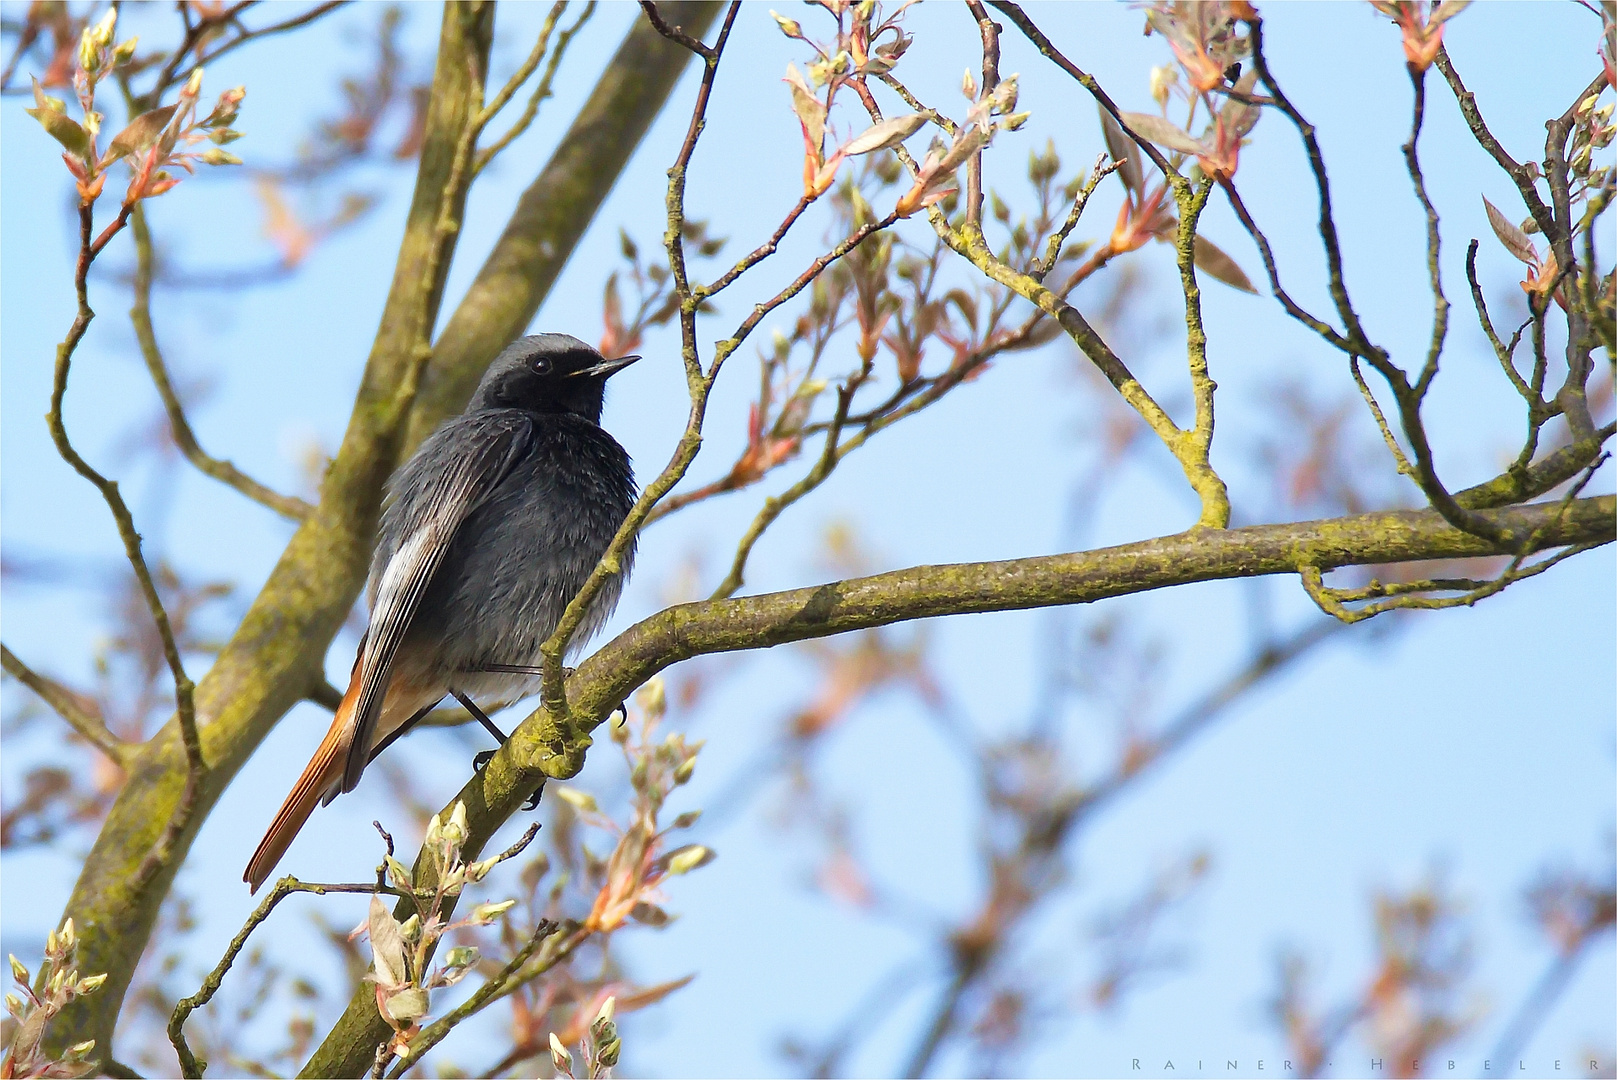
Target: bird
[[487, 532]]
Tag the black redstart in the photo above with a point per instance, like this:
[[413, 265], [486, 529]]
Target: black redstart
[[488, 531]]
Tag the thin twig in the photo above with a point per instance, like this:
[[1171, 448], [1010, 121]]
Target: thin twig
[[185, 708], [989, 30], [1521, 175], [1052, 252], [568, 747], [1506, 355], [501, 984], [1294, 309], [69, 705], [288, 506], [675, 33], [540, 92], [775, 505], [1387, 436], [758, 254], [189, 1066], [1019, 18], [1434, 239], [316, 12], [1356, 336]]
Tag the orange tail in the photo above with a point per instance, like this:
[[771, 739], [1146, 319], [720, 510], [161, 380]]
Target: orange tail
[[323, 770]]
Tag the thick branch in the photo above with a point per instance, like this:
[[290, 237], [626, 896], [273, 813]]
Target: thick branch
[[278, 650], [688, 630], [754, 622], [553, 213]]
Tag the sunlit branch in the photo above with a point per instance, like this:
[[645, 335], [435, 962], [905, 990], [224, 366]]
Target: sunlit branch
[[69, 706], [540, 91], [190, 1067], [288, 506]]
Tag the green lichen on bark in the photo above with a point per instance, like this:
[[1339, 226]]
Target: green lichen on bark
[[278, 650]]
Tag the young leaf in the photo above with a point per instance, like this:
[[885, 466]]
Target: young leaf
[[1122, 149], [888, 133], [1513, 238], [1212, 261], [52, 116], [387, 946], [807, 107], [408, 1006], [142, 131], [1239, 117], [1163, 132]]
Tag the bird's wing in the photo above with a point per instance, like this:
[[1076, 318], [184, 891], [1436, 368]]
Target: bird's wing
[[481, 453]]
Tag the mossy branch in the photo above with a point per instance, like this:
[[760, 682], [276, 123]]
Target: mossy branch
[[278, 650], [754, 622]]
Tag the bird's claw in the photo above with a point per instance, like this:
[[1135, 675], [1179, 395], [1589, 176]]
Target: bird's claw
[[483, 758]]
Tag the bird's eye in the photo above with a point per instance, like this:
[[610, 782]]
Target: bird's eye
[[541, 366]]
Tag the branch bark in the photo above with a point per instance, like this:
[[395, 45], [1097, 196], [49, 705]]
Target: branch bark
[[537, 747], [553, 213], [278, 651]]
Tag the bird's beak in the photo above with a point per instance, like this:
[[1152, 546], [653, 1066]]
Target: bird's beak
[[607, 367]]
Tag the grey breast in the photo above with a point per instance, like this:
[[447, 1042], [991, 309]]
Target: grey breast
[[523, 553]]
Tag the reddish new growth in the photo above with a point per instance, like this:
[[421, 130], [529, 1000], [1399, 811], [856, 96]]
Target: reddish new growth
[[153, 142], [1209, 50], [1422, 26]]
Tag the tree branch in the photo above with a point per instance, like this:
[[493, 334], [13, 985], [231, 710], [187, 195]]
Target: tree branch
[[278, 650], [69, 706], [552, 214], [686, 630], [190, 1067], [288, 506]]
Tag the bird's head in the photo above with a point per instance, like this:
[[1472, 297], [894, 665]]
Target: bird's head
[[548, 373]]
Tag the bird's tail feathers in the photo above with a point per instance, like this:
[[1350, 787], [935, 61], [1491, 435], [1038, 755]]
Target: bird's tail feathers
[[318, 780]]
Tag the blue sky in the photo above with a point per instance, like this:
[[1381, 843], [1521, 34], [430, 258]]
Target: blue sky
[[1480, 740]]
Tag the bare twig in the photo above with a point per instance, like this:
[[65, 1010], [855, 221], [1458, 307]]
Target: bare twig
[[1434, 269], [1052, 253], [70, 706], [185, 707], [1021, 21], [568, 746], [540, 91], [989, 30], [190, 1067], [288, 506], [1387, 436], [776, 504], [675, 33]]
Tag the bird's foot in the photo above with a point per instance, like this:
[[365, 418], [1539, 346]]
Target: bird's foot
[[483, 758]]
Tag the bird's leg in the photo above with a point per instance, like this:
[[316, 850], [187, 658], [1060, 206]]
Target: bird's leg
[[477, 714], [482, 758], [567, 672]]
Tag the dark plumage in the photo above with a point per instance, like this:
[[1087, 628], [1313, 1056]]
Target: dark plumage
[[488, 531]]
